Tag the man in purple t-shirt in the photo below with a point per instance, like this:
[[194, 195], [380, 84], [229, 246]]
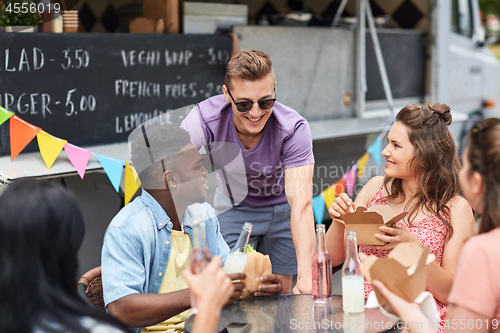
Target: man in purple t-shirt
[[262, 151]]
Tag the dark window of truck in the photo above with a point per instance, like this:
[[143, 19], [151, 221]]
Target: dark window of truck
[[461, 20]]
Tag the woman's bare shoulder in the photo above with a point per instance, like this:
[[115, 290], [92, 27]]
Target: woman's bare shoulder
[[462, 218], [460, 208], [368, 191]]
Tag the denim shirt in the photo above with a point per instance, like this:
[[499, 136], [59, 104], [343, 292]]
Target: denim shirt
[[137, 246]]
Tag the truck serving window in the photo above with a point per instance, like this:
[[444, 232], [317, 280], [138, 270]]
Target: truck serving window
[[462, 17]]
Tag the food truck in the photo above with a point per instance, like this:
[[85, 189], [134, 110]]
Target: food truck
[[346, 80]]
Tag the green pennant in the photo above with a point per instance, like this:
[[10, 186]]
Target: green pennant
[[4, 115]]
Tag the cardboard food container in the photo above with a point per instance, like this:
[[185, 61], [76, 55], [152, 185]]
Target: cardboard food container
[[257, 266], [367, 222], [403, 272]]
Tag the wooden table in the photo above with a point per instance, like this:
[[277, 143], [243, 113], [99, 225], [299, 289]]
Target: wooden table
[[298, 313]]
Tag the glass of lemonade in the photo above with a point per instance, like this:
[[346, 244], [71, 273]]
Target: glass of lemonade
[[236, 260]]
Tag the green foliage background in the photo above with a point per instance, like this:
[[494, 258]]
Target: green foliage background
[[12, 19], [489, 6]]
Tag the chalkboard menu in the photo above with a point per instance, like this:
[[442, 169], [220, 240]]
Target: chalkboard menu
[[96, 88]]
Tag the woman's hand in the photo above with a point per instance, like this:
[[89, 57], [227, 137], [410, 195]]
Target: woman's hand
[[398, 306], [394, 236], [341, 205]]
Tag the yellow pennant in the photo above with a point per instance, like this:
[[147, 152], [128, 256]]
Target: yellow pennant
[[132, 182], [329, 196], [50, 147], [362, 164]]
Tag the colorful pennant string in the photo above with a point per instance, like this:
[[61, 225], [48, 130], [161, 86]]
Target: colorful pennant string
[[318, 206], [329, 195], [339, 187], [362, 164], [4, 115], [21, 133], [50, 147], [79, 157], [350, 180], [113, 169], [132, 182], [376, 151]]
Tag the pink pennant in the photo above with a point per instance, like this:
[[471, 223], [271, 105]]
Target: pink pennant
[[350, 180], [79, 157]]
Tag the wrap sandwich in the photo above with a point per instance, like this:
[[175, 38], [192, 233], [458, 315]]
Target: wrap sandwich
[[257, 265]]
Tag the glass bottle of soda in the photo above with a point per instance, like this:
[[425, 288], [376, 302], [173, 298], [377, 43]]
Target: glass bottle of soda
[[353, 300], [321, 268]]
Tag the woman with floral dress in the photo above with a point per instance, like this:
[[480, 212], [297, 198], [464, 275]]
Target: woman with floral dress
[[421, 177]]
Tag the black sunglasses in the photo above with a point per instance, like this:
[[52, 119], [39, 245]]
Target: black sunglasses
[[478, 130], [245, 106]]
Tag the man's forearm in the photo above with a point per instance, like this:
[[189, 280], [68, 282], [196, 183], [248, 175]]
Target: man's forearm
[[304, 240], [141, 310], [298, 188]]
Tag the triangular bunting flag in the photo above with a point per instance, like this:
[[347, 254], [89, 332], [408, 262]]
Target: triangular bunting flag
[[113, 169], [50, 147], [79, 157], [318, 206], [350, 180], [328, 196], [339, 187], [376, 150], [21, 133], [4, 115], [132, 182], [362, 165]]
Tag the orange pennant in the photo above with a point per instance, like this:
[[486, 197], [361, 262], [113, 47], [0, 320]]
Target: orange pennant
[[21, 133], [339, 187]]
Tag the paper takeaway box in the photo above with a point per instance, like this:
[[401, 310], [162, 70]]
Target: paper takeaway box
[[367, 222], [403, 272]]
